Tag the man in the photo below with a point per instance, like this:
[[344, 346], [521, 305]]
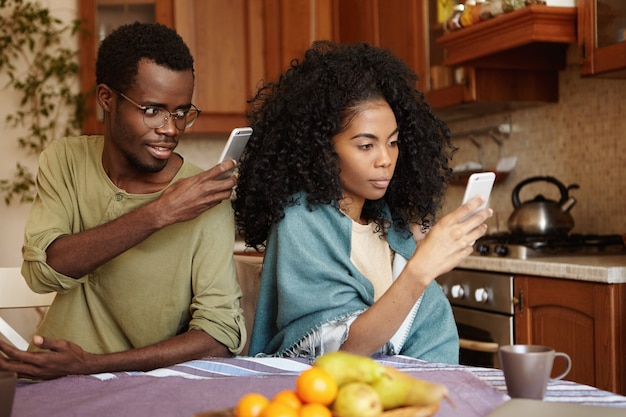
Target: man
[[137, 242]]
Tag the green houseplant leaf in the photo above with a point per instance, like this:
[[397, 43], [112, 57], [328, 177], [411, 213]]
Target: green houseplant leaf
[[44, 72]]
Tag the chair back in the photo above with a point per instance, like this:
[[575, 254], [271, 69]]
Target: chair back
[[249, 277], [15, 293]]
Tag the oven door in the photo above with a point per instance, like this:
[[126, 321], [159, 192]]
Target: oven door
[[481, 334]]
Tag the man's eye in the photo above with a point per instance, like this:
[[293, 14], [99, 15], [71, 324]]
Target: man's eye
[[152, 111], [180, 114]]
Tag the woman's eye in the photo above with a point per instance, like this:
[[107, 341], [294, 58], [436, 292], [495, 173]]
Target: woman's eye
[[365, 146]]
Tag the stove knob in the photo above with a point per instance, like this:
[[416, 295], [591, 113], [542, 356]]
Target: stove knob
[[457, 291], [481, 295], [482, 249], [501, 250]]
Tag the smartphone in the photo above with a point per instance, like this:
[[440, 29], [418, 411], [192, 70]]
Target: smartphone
[[234, 146], [479, 184]]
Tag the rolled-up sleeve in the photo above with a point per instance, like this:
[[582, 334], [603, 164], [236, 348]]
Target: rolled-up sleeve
[[215, 306]]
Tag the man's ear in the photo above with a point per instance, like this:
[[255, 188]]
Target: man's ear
[[104, 97]]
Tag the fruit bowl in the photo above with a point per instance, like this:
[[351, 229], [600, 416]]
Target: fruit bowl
[[341, 384], [427, 411]]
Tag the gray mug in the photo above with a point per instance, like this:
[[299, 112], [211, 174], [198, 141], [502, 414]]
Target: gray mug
[[7, 392], [527, 369]]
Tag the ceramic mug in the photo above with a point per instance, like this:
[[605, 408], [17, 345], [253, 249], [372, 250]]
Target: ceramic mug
[[7, 392], [527, 369]]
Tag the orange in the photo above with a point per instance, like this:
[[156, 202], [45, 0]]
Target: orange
[[316, 385], [251, 405], [288, 397], [279, 409], [315, 410]]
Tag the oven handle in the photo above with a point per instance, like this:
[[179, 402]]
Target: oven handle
[[478, 346]]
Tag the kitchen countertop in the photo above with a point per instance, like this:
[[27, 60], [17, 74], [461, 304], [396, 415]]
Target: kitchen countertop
[[610, 269]]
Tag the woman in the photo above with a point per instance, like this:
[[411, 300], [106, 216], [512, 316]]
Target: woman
[[345, 156]]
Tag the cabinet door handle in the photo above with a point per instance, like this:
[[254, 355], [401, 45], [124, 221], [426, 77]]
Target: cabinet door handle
[[477, 346], [517, 301]]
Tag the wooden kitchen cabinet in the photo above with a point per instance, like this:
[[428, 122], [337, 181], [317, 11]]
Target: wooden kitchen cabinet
[[602, 37], [520, 53], [98, 18], [239, 43], [226, 40], [396, 24], [586, 320], [235, 44]]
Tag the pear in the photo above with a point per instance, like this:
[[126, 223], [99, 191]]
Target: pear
[[347, 367], [357, 399], [399, 389]]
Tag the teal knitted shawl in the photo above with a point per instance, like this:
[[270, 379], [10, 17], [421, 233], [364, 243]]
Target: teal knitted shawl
[[308, 280]]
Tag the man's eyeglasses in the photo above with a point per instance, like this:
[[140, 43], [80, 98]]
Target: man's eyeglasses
[[156, 117]]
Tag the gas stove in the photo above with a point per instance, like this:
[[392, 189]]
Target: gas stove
[[523, 247]]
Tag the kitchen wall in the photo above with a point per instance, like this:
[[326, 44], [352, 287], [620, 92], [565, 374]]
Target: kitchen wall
[[580, 141], [13, 216]]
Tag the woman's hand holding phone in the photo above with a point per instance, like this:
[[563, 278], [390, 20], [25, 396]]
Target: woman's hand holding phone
[[451, 239]]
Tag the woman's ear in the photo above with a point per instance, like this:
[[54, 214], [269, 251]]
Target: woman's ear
[[104, 97]]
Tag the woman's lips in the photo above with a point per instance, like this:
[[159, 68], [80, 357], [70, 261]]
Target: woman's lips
[[380, 182]]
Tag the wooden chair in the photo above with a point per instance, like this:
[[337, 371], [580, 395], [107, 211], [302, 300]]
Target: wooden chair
[[15, 293], [249, 277]]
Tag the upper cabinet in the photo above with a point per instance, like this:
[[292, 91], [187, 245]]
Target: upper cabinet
[[240, 43], [227, 42], [508, 62], [99, 18], [602, 37], [236, 45], [397, 25]]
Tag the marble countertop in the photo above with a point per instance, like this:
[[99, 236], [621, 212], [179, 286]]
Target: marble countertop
[[610, 269]]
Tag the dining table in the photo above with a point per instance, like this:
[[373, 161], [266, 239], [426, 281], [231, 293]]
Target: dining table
[[194, 388]]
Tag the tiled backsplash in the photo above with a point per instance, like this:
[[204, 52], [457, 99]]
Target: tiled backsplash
[[577, 141]]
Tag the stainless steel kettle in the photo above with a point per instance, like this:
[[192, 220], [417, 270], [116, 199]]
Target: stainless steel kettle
[[541, 216]]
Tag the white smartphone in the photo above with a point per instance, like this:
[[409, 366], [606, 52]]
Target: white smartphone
[[234, 146], [479, 184]]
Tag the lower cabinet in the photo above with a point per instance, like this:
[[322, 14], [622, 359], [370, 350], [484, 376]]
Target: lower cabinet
[[586, 320]]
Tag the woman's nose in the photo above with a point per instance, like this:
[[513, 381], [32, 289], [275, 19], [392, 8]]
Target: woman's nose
[[384, 157]]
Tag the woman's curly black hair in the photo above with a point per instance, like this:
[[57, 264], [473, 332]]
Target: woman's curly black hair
[[120, 52], [295, 119]]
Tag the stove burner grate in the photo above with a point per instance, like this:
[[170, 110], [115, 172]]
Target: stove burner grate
[[523, 246]]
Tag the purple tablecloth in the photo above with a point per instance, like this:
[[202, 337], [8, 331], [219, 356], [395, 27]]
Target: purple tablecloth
[[200, 386]]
